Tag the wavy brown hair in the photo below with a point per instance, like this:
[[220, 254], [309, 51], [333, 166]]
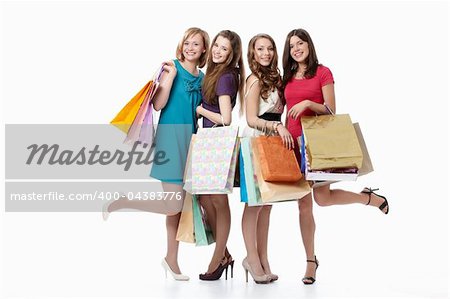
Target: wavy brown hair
[[269, 76], [290, 65], [191, 32], [234, 64]]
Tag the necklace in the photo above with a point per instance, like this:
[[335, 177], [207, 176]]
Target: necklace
[[300, 74]]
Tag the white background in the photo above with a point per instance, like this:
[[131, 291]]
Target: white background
[[80, 62]]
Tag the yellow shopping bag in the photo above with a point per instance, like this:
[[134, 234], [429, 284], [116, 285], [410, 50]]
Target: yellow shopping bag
[[125, 117], [185, 231]]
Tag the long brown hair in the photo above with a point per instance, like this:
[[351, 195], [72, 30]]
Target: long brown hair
[[191, 32], [290, 65], [233, 64], [269, 76]]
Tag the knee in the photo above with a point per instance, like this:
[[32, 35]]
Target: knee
[[266, 209], [253, 209], [173, 213], [320, 200], [305, 205], [219, 203]]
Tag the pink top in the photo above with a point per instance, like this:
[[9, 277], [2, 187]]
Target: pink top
[[298, 90]]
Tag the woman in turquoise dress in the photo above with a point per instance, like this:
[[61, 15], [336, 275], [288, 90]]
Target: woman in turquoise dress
[[178, 96], [177, 122]]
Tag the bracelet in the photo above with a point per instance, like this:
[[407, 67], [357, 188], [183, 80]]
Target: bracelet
[[262, 126], [276, 124]]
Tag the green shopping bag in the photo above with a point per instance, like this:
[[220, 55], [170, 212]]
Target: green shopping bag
[[202, 231], [253, 193]]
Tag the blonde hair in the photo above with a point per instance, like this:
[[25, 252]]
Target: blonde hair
[[189, 33]]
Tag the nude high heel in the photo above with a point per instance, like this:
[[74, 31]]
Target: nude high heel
[[260, 279]]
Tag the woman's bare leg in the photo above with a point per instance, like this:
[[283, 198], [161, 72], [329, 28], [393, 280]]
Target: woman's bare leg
[[323, 196], [262, 233], [223, 223], [307, 228], [249, 232]]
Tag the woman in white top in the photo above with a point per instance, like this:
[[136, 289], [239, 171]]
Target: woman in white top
[[263, 111]]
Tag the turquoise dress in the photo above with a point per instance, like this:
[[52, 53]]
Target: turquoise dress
[[177, 123]]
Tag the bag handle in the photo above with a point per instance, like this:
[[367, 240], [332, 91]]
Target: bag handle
[[223, 123], [328, 109]]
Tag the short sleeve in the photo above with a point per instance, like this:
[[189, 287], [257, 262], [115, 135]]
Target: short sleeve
[[226, 85], [325, 76]]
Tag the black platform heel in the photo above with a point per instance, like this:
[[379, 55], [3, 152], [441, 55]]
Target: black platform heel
[[216, 274]]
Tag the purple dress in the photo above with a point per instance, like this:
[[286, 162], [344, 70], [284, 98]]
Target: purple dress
[[227, 85]]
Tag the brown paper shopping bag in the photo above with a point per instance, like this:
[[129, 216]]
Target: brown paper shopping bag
[[366, 167], [331, 142]]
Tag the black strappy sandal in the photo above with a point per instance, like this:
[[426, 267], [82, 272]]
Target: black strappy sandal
[[310, 279], [383, 205]]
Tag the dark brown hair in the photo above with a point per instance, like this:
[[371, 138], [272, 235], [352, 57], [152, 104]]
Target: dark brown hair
[[269, 76], [290, 65]]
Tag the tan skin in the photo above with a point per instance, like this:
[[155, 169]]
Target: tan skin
[[256, 220], [323, 196], [193, 48], [216, 205]]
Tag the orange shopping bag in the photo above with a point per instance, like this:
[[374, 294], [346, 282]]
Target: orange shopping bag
[[278, 164]]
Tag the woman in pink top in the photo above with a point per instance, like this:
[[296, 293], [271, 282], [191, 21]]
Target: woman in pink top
[[309, 90]]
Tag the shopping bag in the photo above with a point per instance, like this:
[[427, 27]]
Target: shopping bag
[[277, 163], [277, 191], [202, 231], [366, 166], [331, 142], [135, 129], [187, 177], [125, 117], [147, 131], [185, 231], [248, 178], [324, 177], [214, 157], [142, 127], [137, 113]]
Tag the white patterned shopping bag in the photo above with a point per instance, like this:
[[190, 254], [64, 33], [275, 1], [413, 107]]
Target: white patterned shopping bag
[[214, 157]]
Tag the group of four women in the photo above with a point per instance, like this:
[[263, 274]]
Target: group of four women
[[186, 94]]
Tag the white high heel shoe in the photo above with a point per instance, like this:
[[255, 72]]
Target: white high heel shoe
[[105, 207], [105, 212], [175, 276]]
